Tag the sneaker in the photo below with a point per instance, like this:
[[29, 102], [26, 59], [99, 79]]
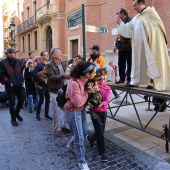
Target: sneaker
[[103, 157], [66, 130], [84, 167], [19, 117], [48, 117], [71, 148], [91, 144], [14, 123]]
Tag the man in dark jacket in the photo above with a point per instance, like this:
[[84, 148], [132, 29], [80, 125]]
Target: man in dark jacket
[[124, 51], [55, 70], [44, 92], [12, 76]]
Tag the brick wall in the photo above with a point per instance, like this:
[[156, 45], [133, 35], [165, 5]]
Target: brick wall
[[98, 13]]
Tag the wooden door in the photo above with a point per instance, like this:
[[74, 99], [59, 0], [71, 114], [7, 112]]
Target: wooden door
[[74, 47]]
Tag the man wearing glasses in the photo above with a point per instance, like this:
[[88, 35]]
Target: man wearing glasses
[[11, 75], [44, 92], [124, 51]]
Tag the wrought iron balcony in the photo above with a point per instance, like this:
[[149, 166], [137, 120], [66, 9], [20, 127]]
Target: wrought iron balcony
[[26, 25]]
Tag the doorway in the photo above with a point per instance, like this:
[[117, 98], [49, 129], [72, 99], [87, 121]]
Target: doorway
[[74, 47]]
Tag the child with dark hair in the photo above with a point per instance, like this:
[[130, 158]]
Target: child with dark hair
[[75, 108], [99, 115]]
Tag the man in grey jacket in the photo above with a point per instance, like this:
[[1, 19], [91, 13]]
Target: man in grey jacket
[[55, 70]]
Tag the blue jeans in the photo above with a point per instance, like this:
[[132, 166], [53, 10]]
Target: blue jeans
[[32, 99], [78, 126]]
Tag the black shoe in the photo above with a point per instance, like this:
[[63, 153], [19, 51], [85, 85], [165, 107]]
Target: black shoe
[[149, 87], [35, 108], [129, 85], [91, 144], [146, 98], [14, 123], [103, 157], [30, 110], [119, 82], [128, 82], [66, 130], [48, 117], [38, 117], [19, 117]]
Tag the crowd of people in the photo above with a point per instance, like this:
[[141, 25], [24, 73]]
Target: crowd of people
[[44, 78], [71, 118]]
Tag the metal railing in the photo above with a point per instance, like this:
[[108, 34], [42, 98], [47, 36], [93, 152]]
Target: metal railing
[[25, 25]]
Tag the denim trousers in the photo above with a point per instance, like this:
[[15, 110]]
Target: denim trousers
[[78, 126], [59, 117], [32, 99], [18, 92]]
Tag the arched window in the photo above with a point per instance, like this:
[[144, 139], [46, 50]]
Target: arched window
[[49, 42]]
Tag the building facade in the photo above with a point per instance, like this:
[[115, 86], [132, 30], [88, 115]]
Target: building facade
[[43, 24]]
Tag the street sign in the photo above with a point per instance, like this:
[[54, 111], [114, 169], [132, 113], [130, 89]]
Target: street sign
[[74, 19], [95, 29]]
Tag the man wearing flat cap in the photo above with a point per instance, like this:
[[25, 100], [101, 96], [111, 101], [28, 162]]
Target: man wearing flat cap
[[96, 58], [12, 77]]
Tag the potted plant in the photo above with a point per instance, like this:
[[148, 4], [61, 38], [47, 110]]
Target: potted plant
[[12, 44]]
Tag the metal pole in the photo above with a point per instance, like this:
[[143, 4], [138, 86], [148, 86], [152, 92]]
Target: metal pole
[[84, 33]]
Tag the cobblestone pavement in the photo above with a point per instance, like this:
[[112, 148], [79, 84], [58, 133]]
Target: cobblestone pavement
[[32, 146]]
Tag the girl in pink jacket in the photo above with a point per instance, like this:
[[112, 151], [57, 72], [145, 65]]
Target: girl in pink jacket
[[99, 115]]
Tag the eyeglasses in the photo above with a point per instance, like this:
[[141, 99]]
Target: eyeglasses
[[45, 54], [31, 63]]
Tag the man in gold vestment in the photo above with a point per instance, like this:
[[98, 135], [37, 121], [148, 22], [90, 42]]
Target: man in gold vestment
[[150, 58]]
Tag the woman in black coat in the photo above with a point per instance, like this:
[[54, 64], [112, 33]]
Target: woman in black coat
[[30, 85]]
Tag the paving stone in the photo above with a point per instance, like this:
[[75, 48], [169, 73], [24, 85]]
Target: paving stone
[[32, 146]]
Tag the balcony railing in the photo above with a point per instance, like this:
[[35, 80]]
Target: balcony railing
[[25, 25], [42, 11]]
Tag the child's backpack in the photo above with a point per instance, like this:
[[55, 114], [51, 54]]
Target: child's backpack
[[61, 98]]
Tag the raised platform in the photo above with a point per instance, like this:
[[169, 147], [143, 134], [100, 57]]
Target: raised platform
[[129, 100]]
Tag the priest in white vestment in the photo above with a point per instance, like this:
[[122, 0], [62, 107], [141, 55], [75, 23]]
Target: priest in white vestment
[[150, 58]]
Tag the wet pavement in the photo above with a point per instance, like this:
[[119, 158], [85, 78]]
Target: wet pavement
[[33, 146]]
